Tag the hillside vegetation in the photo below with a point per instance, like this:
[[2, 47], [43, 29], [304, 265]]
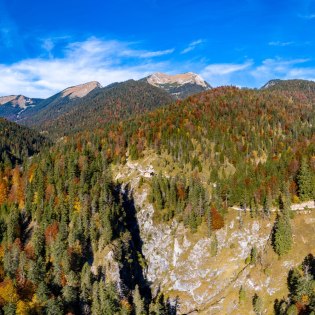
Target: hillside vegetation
[[17, 143], [70, 236], [244, 146], [118, 101]]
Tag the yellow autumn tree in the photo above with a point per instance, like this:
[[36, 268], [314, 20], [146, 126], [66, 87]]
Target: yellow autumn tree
[[3, 191], [22, 308], [8, 292]]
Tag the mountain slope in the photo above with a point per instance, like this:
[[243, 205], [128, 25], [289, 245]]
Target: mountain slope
[[296, 85], [172, 211], [179, 86], [102, 105], [58, 103], [210, 176], [17, 142], [13, 106], [231, 136]]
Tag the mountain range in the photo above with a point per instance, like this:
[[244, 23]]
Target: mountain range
[[32, 111], [90, 105]]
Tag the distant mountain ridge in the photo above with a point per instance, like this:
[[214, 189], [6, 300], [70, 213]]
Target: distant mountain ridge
[[27, 110], [290, 85], [19, 107], [89, 105], [60, 102], [61, 114], [179, 86], [12, 106]]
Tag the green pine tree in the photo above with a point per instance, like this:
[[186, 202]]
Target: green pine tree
[[282, 235], [305, 181]]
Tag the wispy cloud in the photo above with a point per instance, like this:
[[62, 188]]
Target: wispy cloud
[[307, 17], [280, 44], [146, 54], [226, 68], [9, 35], [110, 61], [106, 61], [283, 69], [223, 73], [150, 54], [250, 74], [192, 46]]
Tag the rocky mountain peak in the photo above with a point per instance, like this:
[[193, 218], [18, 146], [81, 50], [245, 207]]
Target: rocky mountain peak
[[159, 78], [80, 90], [179, 86], [20, 101]]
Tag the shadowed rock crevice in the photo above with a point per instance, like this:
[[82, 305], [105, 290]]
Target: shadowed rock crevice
[[130, 256]]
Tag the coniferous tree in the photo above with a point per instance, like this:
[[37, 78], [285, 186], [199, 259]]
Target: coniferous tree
[[305, 182], [138, 302], [257, 304], [282, 235]]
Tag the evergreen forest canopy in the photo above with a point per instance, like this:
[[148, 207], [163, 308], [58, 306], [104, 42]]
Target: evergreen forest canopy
[[17, 143], [62, 209], [59, 115]]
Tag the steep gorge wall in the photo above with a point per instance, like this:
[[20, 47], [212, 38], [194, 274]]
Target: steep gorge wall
[[184, 267]]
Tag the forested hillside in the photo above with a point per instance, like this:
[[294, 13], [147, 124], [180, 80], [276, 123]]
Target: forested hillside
[[71, 239], [244, 146], [17, 143], [296, 85], [102, 105]]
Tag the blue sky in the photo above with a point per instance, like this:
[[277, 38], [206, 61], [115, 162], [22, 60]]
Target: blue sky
[[46, 46]]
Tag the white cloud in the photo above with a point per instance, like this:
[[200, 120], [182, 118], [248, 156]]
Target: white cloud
[[248, 74], [280, 44], [281, 69], [192, 46], [48, 44], [223, 73], [145, 54], [150, 54], [90, 60], [109, 61], [307, 17], [225, 68]]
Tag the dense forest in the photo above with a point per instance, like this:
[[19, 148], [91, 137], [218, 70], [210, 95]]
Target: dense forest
[[60, 115], [297, 85], [17, 143], [64, 221], [58, 215], [244, 146]]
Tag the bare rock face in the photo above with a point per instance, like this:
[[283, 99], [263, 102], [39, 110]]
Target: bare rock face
[[16, 101], [80, 90], [12, 106], [7, 99], [179, 85], [159, 78], [183, 265]]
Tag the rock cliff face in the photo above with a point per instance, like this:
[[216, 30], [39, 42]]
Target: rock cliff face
[[80, 90], [179, 86], [204, 273], [12, 106]]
